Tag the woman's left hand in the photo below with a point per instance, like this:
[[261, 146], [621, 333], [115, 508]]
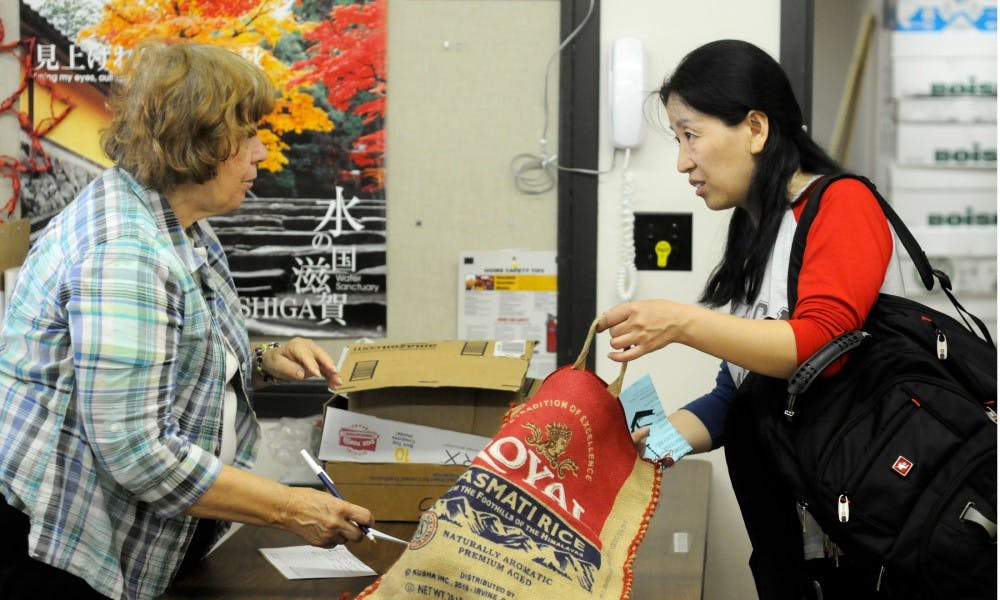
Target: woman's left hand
[[300, 358], [643, 326]]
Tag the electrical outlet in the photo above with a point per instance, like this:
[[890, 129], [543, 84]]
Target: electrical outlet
[[662, 241]]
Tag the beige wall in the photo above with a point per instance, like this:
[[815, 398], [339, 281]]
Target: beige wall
[[669, 30], [465, 96]]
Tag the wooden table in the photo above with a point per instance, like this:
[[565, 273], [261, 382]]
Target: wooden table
[[669, 564]]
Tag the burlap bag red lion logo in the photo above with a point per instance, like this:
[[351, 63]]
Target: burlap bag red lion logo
[[555, 506]]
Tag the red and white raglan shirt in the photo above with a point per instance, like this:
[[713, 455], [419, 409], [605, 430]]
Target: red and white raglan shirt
[[849, 258]]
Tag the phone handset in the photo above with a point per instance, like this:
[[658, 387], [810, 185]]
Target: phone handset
[[625, 99], [626, 95]]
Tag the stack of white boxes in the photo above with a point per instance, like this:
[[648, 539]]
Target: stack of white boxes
[[943, 175]]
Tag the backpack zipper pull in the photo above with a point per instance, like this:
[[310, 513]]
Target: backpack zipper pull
[[843, 508], [802, 514], [942, 344], [991, 414]]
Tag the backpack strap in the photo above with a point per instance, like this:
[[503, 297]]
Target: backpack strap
[[927, 272], [970, 514]]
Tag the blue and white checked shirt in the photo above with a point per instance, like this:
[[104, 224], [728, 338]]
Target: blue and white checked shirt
[[111, 386]]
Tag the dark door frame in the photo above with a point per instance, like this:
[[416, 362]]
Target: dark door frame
[[579, 103]]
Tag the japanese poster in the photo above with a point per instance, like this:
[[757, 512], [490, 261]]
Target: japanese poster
[[511, 295], [307, 247]]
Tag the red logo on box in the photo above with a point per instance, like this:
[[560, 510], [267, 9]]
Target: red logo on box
[[902, 466], [358, 439]]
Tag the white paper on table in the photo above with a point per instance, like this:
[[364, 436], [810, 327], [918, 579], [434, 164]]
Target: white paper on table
[[310, 562]]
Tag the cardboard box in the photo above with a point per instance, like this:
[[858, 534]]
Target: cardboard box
[[357, 437], [946, 210], [944, 76], [947, 110], [393, 492], [959, 240], [945, 181], [942, 17], [459, 385], [966, 145], [14, 242], [970, 276]]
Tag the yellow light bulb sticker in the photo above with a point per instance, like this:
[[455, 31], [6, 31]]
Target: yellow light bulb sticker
[[662, 249]]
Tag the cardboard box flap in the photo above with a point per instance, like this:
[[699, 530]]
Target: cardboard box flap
[[14, 242], [494, 365]]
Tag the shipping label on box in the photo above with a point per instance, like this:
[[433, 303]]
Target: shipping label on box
[[352, 436], [947, 145]]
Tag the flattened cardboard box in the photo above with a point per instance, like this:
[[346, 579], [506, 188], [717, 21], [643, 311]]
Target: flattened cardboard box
[[460, 385]]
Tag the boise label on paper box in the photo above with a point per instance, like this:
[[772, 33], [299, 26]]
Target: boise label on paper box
[[967, 145]]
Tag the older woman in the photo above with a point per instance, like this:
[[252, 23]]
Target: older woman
[[125, 369]]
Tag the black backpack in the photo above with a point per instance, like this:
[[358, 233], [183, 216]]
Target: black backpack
[[895, 455]]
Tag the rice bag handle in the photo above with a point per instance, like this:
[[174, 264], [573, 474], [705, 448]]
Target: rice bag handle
[[615, 387]]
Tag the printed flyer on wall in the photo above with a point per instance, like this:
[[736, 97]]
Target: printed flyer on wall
[[510, 295]]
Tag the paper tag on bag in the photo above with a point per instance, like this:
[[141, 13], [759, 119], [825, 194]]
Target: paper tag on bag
[[642, 408]]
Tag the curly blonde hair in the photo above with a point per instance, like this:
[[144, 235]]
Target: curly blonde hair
[[181, 109]]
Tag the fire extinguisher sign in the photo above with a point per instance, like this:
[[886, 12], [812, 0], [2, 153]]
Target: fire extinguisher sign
[[510, 295]]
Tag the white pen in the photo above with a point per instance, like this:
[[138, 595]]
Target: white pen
[[318, 470]]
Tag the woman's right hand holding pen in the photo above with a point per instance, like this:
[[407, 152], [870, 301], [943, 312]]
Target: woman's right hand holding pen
[[317, 516], [322, 519]]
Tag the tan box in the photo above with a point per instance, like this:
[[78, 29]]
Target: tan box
[[459, 385], [948, 145], [14, 242], [392, 491]]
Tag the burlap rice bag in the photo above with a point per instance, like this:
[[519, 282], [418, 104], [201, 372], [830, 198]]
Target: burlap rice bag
[[553, 508]]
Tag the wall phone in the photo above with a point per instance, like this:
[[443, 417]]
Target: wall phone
[[626, 92], [626, 95]]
